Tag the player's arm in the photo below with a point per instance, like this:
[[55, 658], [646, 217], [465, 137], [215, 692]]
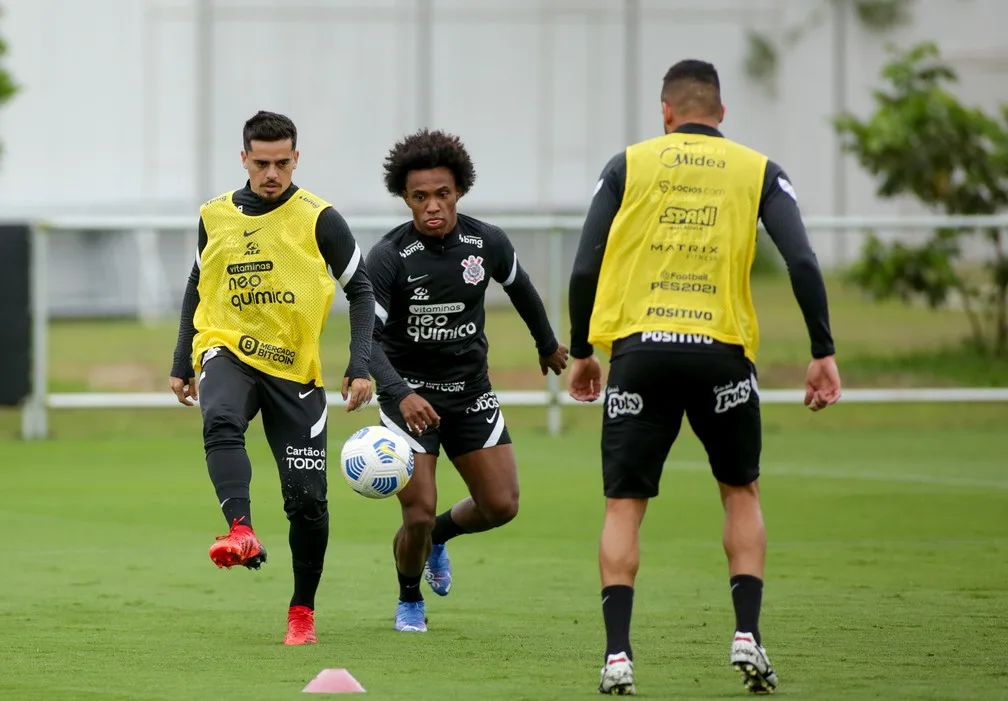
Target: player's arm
[[382, 261], [591, 249], [508, 271], [182, 367], [341, 253], [782, 221]]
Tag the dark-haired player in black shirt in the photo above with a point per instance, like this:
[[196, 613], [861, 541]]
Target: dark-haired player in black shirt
[[430, 277]]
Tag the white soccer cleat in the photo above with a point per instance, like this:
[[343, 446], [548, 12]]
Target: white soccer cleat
[[750, 659], [617, 676]]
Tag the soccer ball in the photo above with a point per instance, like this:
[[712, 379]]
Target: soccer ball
[[377, 462]]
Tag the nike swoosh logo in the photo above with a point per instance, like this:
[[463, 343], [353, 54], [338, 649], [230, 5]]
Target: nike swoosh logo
[[417, 278], [302, 395], [491, 419], [249, 233]]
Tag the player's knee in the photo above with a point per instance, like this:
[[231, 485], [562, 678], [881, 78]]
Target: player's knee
[[624, 514], [418, 521], [501, 509], [223, 430], [746, 494], [307, 506]]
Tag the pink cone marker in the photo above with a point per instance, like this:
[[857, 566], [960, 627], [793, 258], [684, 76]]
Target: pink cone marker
[[333, 681]]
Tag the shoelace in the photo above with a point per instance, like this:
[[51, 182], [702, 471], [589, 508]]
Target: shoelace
[[243, 540], [234, 525], [410, 612], [299, 624]]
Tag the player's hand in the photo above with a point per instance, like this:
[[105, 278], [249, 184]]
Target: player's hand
[[585, 380], [185, 390], [356, 394], [556, 362], [418, 413], [822, 383]]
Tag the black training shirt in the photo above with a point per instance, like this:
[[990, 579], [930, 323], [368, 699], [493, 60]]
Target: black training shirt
[[429, 311]]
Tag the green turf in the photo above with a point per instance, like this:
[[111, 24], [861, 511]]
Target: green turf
[[886, 573], [878, 345]]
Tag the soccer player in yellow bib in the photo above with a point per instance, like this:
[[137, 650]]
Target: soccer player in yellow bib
[[257, 300], [661, 283]]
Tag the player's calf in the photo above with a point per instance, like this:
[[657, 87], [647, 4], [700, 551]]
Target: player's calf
[[309, 538], [751, 661], [239, 547]]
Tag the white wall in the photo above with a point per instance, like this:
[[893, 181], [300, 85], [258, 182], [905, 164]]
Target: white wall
[[542, 91], [108, 119]]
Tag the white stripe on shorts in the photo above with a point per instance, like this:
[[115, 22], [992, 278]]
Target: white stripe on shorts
[[320, 424], [498, 429], [393, 426]]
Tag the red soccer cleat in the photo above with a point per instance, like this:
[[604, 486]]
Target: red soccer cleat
[[239, 547], [300, 626]]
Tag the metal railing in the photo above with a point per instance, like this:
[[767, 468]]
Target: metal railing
[[35, 416]]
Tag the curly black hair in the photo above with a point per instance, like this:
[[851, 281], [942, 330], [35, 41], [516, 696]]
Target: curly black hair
[[425, 150]]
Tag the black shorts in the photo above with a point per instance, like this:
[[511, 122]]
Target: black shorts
[[470, 420], [647, 394], [294, 416]]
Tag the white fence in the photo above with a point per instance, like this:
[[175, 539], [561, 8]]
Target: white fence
[[35, 413]]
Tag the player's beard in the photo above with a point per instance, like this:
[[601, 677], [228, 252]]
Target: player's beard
[[271, 196]]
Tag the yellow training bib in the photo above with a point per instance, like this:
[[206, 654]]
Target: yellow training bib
[[265, 290], [682, 244]]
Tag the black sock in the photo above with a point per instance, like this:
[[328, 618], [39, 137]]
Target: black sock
[[308, 541], [445, 529], [231, 472], [747, 595], [237, 510], [617, 607], [409, 587]]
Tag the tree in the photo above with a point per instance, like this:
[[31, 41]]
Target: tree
[[762, 59], [922, 141], [7, 86]]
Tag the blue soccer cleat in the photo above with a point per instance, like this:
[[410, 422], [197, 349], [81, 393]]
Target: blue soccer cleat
[[411, 617], [437, 571]]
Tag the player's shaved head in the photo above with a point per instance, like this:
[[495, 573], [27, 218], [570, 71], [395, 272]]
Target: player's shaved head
[[692, 89]]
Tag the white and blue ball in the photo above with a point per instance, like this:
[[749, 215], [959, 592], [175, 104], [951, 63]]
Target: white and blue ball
[[377, 463]]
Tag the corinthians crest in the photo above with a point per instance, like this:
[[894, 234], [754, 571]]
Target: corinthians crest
[[472, 270]]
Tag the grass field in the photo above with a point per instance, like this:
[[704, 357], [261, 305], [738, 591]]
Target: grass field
[[878, 345], [887, 574]]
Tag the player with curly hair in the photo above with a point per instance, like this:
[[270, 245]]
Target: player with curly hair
[[429, 358]]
